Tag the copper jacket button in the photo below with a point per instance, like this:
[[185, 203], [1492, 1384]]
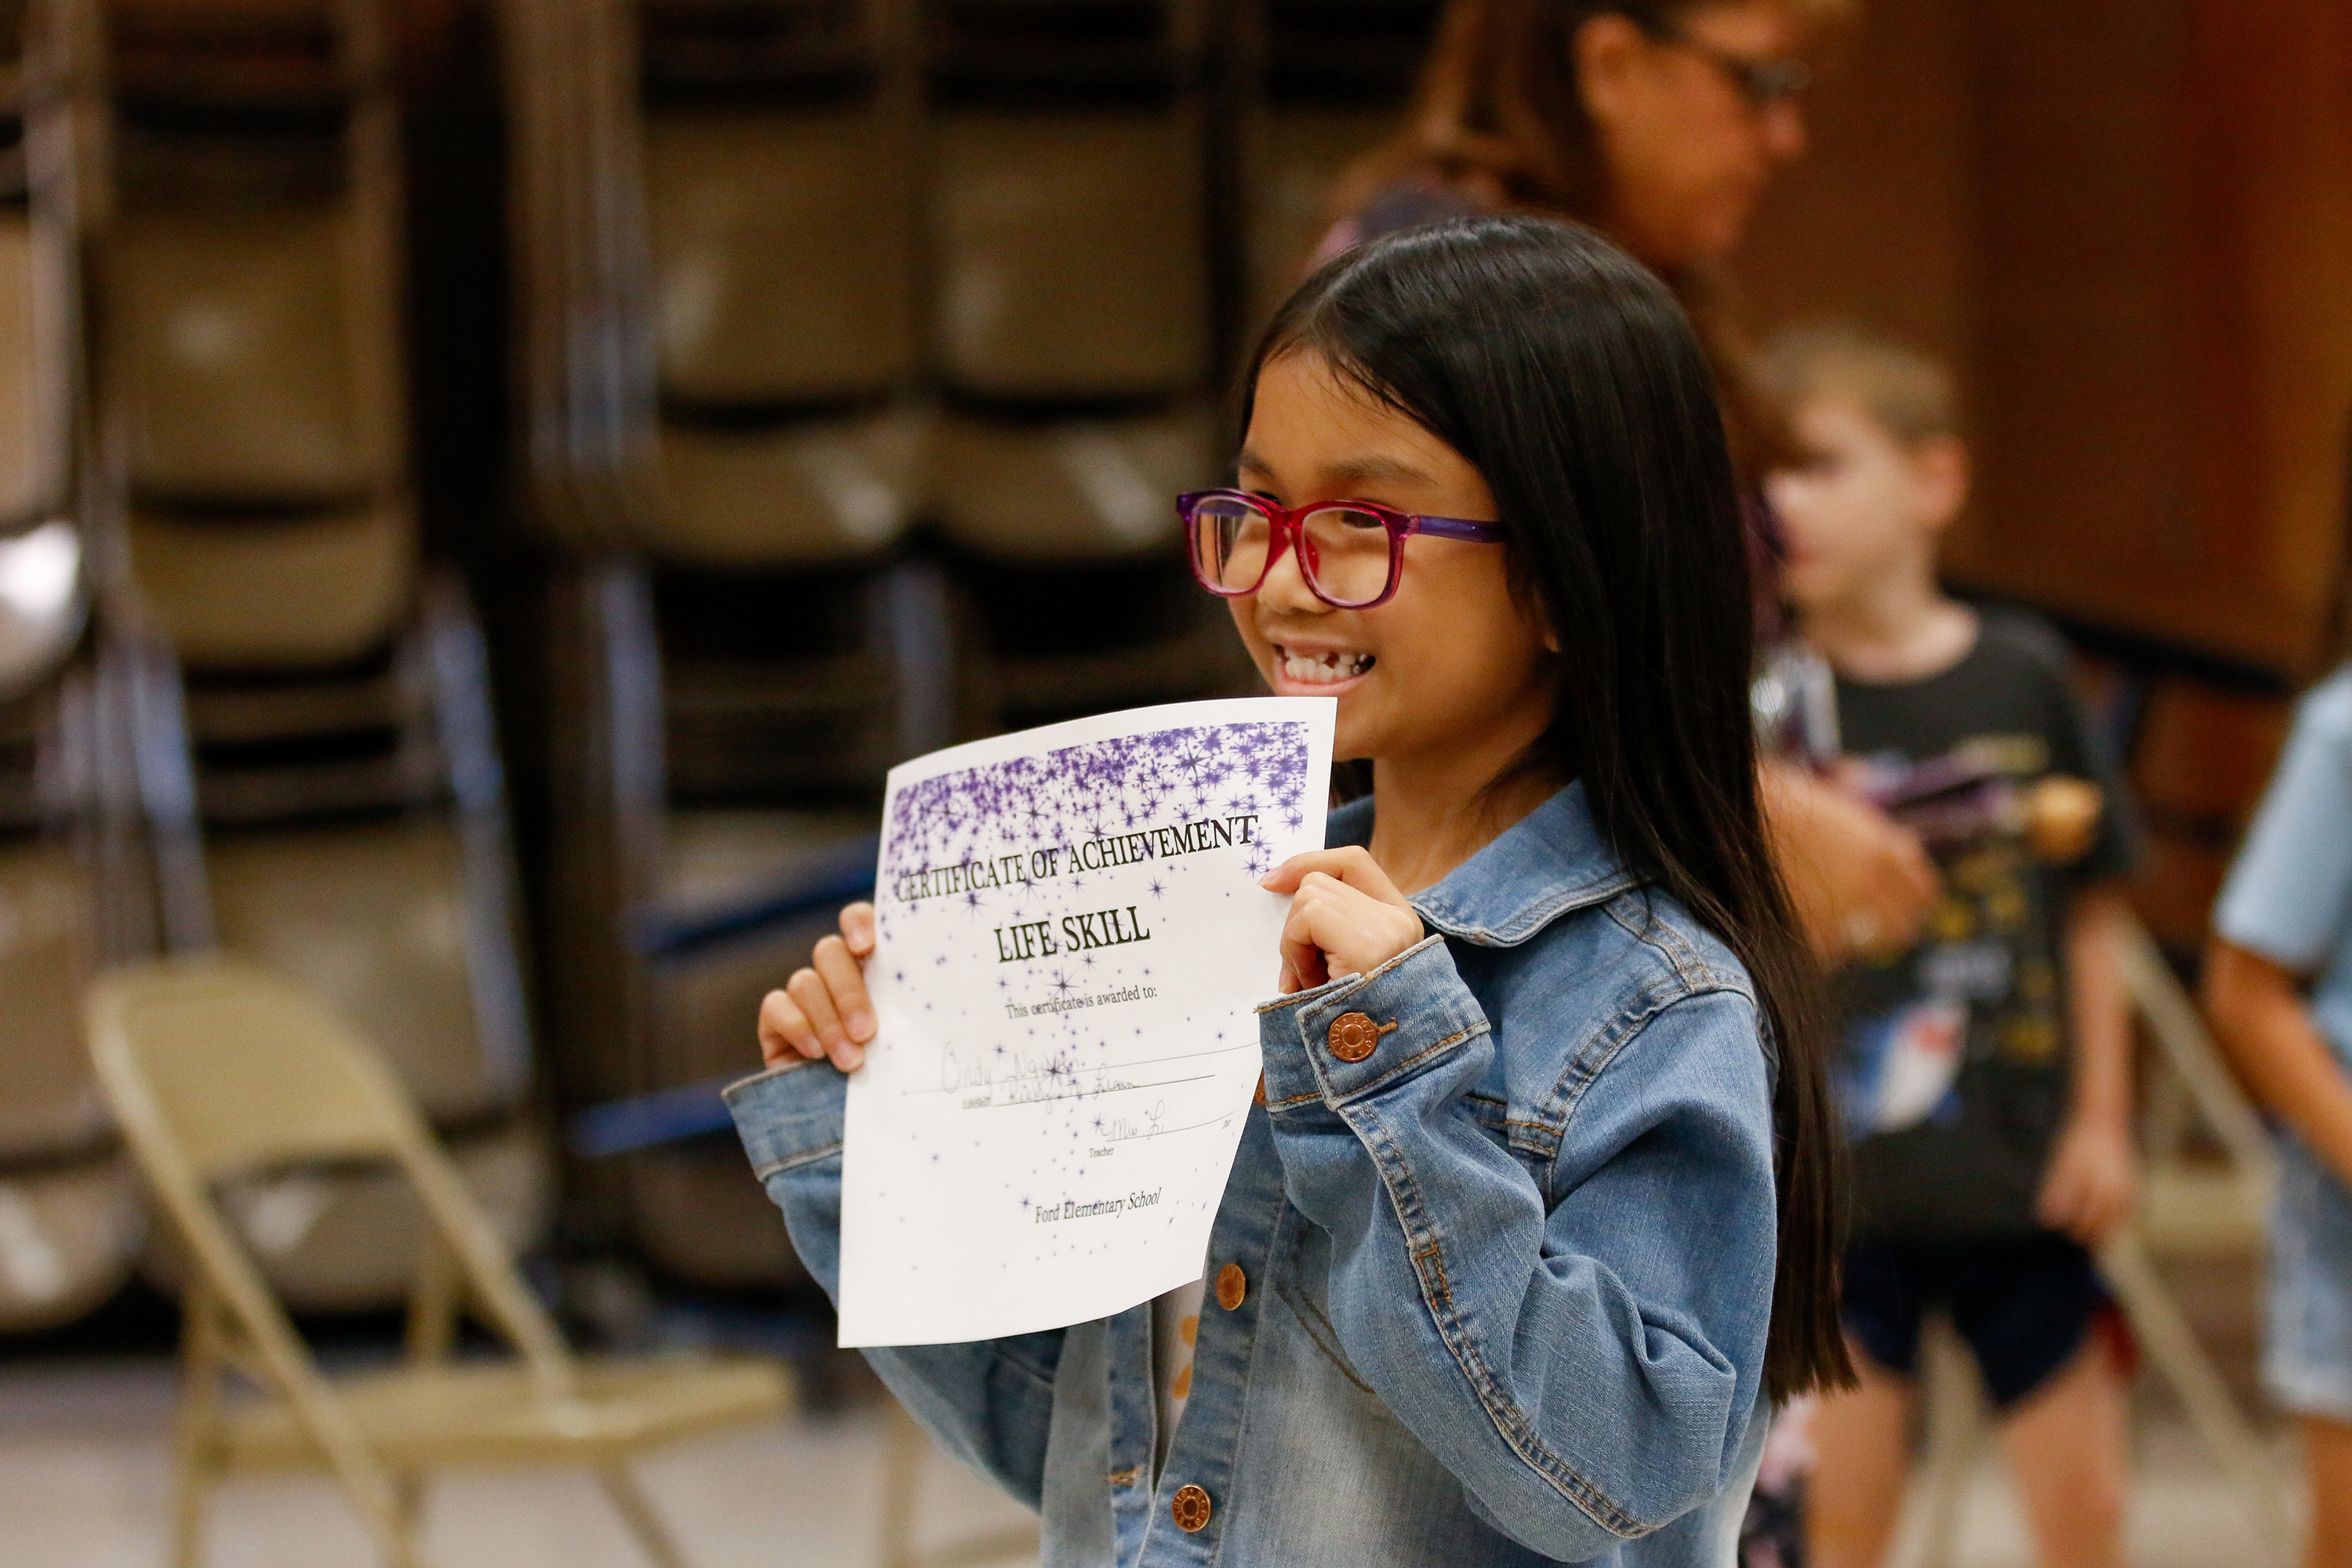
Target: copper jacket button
[[1190, 1509], [1232, 1285], [1354, 1036]]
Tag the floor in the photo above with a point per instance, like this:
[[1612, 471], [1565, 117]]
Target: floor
[[84, 1480]]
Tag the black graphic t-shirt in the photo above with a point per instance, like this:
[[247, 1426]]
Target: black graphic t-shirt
[[1952, 1072]]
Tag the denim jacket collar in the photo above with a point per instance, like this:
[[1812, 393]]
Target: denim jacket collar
[[1550, 862]]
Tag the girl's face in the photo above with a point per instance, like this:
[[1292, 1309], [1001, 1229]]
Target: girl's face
[[1452, 664], [1688, 153]]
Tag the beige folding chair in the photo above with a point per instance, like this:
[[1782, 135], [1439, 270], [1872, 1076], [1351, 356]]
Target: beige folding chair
[[217, 1070]]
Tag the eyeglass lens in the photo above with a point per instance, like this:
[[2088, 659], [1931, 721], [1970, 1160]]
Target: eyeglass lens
[[1344, 553]]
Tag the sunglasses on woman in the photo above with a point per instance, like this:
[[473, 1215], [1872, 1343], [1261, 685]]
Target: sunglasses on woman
[[1351, 553]]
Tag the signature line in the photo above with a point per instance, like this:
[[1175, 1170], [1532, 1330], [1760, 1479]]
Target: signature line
[[1164, 1131]]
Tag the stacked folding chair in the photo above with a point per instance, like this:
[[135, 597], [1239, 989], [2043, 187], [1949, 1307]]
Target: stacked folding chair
[[1331, 77], [714, 208], [1076, 315], [336, 696], [70, 1218]]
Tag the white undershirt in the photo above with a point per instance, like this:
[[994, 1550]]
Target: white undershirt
[[1175, 1325]]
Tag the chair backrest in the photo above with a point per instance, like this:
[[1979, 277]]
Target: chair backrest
[[1073, 263], [783, 256], [256, 368], [215, 1068]]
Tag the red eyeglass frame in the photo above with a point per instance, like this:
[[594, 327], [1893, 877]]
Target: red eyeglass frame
[[1288, 523]]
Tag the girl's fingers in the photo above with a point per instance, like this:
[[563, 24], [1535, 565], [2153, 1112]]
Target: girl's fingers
[[1351, 867], [785, 1030], [845, 980], [808, 989], [857, 930], [1302, 953]]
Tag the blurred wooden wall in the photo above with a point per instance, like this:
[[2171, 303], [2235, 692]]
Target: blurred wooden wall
[[2129, 223]]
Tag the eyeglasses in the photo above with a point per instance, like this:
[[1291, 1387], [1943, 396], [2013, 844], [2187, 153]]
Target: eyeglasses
[[1762, 82], [1351, 553]]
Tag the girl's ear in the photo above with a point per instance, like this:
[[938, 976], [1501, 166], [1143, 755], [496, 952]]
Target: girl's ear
[[1551, 638]]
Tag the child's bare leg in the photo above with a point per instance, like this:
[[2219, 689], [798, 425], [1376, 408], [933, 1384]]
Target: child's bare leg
[[2327, 1456], [2069, 1457], [1861, 1438]]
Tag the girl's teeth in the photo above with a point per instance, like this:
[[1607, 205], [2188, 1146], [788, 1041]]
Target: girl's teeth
[[1330, 668]]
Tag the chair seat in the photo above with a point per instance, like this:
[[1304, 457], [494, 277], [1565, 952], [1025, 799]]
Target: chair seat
[[460, 1413], [1078, 490], [794, 495], [68, 1235], [274, 594]]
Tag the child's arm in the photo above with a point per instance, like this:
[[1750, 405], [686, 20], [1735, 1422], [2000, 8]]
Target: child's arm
[[2282, 916], [2263, 1027], [1570, 1314], [2087, 1191], [990, 1403]]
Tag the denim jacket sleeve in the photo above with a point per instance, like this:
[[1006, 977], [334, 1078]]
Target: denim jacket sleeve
[[989, 1402], [1569, 1311]]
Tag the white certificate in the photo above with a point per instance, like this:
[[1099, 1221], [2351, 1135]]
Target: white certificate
[[1072, 942]]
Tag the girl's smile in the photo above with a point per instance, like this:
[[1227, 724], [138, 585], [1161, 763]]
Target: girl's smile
[[1304, 671]]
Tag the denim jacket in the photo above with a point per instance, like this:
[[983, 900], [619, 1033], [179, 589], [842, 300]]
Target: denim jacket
[[1495, 1294]]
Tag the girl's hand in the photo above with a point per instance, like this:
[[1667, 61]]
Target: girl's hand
[[1346, 917], [2093, 1178], [824, 1011]]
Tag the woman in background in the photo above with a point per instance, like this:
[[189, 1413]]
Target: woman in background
[[1659, 123]]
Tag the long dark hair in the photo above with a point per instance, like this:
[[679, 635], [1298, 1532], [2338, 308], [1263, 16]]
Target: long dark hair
[[1568, 376]]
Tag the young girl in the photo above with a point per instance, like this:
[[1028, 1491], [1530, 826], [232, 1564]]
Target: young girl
[[1514, 1286], [2278, 981]]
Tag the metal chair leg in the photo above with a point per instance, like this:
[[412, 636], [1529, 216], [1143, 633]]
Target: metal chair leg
[[188, 1497], [2172, 1347], [904, 1449], [902, 1470], [629, 1500], [1953, 1413]]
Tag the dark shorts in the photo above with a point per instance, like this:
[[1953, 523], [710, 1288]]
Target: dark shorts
[[2022, 1307]]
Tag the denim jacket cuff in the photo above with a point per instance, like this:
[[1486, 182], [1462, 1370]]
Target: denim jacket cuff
[[788, 1115], [1410, 1012]]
